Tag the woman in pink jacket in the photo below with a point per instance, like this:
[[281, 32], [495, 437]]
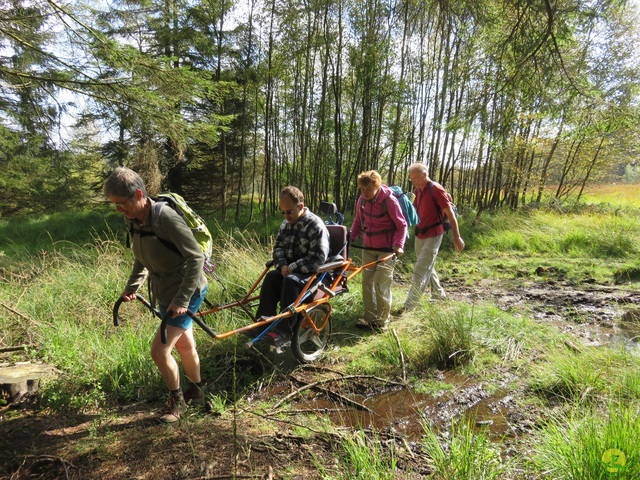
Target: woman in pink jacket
[[380, 222]]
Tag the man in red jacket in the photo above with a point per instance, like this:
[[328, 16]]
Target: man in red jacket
[[429, 234]]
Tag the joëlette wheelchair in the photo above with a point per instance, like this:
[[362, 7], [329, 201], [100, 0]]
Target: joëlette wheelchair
[[309, 314]]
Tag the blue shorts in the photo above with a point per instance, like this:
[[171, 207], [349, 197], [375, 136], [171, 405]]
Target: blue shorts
[[185, 321]]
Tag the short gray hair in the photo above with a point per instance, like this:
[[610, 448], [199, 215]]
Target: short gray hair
[[419, 167], [124, 182]]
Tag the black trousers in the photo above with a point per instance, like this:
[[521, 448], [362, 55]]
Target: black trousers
[[278, 289]]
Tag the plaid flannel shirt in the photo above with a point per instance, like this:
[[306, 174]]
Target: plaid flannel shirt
[[303, 246]]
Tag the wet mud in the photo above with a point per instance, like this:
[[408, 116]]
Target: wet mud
[[593, 314]]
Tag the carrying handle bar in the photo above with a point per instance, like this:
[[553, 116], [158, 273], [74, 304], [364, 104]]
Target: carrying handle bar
[[164, 319], [116, 307]]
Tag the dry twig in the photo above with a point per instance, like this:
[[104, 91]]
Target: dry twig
[[16, 312], [316, 384]]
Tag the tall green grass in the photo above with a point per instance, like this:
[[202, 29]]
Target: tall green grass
[[364, 457], [575, 446], [616, 195], [574, 235], [591, 376], [462, 453]]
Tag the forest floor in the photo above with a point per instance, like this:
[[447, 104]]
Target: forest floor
[[257, 438]]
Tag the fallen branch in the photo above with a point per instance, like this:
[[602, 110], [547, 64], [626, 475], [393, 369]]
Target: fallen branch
[[51, 458], [313, 410], [14, 348], [15, 312], [307, 386], [320, 368], [268, 476], [347, 400], [572, 346], [319, 433]]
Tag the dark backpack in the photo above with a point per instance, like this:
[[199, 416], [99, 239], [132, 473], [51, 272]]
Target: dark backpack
[[443, 216]]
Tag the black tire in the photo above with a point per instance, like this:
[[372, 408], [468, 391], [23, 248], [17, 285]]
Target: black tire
[[306, 344]]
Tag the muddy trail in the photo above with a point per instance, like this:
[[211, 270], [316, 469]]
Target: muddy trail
[[253, 443], [592, 313]]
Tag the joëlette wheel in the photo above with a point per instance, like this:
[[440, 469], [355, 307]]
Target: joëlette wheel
[[308, 344]]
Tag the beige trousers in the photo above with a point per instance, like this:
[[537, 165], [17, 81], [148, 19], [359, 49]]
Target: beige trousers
[[424, 272], [376, 287]]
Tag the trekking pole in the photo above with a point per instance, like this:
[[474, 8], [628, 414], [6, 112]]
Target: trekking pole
[[163, 320]]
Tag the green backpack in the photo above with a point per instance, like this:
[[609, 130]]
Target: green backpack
[[191, 218]]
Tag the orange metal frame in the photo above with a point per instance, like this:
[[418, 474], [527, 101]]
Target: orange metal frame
[[344, 271]]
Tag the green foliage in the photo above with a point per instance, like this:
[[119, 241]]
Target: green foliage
[[544, 232], [365, 458], [510, 337], [462, 453], [573, 447], [62, 231], [449, 331], [588, 376]]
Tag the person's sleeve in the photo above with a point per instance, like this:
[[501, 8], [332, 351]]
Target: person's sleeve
[[318, 236], [396, 215], [279, 248], [136, 278], [178, 232]]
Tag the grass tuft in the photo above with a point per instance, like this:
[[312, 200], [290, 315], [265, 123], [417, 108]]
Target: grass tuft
[[588, 377], [580, 445], [462, 452], [363, 457]]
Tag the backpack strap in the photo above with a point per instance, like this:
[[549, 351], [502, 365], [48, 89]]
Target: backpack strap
[[385, 213], [155, 226]]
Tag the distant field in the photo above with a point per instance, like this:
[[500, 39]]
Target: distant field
[[615, 194]]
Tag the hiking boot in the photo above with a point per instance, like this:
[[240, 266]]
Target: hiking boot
[[379, 326], [362, 323], [175, 407], [375, 325], [194, 395]]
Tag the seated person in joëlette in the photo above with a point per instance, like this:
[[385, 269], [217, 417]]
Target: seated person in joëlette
[[301, 247]]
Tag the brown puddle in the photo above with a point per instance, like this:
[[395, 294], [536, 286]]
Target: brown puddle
[[405, 412]]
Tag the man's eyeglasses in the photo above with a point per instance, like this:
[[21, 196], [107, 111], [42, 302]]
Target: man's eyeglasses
[[122, 204], [288, 212]]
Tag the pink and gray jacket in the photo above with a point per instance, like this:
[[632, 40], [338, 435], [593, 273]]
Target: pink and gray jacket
[[380, 221]]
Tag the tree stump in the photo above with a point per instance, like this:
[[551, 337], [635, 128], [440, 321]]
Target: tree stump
[[21, 379]]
